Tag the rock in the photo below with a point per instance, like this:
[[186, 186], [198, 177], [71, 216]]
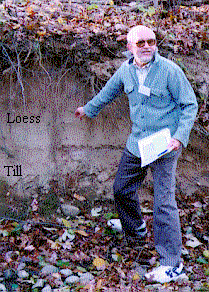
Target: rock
[[22, 274], [38, 284], [189, 158], [2, 288], [9, 274], [183, 281], [153, 288], [184, 251], [70, 210], [72, 279], [66, 272], [48, 270], [185, 289], [204, 89], [21, 266], [203, 182], [63, 289], [86, 278], [27, 186], [139, 269], [119, 26], [109, 196], [4, 187], [197, 285], [85, 183], [26, 259], [92, 170], [102, 177], [88, 192], [96, 212], [66, 235], [77, 155], [47, 289]]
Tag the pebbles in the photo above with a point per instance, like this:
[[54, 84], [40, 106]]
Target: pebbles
[[48, 270], [23, 274], [66, 272], [50, 278], [2, 288], [72, 279], [70, 210]]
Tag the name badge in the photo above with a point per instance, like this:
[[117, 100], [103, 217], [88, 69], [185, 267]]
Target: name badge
[[144, 90]]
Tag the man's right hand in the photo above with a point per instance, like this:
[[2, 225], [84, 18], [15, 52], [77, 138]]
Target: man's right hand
[[79, 113]]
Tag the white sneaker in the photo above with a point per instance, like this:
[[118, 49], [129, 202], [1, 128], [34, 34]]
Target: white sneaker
[[116, 225], [165, 274]]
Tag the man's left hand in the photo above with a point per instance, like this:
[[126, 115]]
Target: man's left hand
[[174, 144]]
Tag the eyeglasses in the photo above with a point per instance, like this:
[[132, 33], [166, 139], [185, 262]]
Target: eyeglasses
[[150, 42]]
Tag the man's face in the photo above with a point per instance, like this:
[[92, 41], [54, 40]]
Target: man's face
[[143, 51]]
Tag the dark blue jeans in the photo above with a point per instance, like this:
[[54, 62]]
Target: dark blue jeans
[[130, 175]]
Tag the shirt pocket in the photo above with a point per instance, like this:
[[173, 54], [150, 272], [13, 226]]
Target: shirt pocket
[[129, 90], [159, 98]]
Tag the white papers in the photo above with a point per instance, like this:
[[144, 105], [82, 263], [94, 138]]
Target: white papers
[[153, 147]]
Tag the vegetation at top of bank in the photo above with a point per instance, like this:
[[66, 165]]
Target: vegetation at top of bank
[[182, 29]]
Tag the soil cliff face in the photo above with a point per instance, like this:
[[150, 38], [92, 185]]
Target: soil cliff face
[[41, 139], [45, 139]]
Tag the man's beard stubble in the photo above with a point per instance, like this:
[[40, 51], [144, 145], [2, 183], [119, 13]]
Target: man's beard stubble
[[145, 58]]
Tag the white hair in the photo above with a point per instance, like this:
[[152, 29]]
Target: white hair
[[135, 30]]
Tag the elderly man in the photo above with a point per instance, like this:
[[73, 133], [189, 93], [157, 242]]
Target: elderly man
[[160, 96]]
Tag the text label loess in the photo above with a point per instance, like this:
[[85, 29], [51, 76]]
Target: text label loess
[[23, 119]]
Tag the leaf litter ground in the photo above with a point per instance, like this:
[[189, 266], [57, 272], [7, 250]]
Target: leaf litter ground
[[86, 244]]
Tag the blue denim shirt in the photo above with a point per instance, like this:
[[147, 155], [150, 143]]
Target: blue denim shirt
[[171, 104]]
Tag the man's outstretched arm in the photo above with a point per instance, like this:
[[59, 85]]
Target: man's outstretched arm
[[110, 91]]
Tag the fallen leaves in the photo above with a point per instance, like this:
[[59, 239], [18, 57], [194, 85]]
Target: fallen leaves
[[99, 263], [206, 253], [78, 197], [86, 244], [96, 211], [82, 232], [193, 241], [40, 19]]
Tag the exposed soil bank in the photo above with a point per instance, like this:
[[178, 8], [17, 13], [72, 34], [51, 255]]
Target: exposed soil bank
[[46, 141]]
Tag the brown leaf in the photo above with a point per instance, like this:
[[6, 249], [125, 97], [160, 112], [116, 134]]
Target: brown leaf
[[67, 27], [99, 284], [78, 197], [82, 232], [41, 32], [99, 263], [30, 11]]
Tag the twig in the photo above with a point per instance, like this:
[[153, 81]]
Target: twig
[[19, 75], [28, 53], [162, 41], [62, 77], [17, 71], [33, 222], [70, 5], [41, 65]]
